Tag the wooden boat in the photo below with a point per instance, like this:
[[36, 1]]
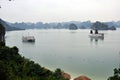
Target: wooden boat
[[99, 35], [28, 39], [96, 34]]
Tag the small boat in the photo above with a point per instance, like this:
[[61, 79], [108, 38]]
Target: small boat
[[28, 39], [99, 35], [96, 34]]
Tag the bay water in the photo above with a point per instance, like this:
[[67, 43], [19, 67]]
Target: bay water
[[70, 50]]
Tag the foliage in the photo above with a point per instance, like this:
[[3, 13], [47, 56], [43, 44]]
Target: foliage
[[15, 67], [2, 32], [116, 75], [2, 43]]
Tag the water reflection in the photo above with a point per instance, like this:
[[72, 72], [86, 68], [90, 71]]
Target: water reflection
[[29, 43], [92, 39], [73, 31]]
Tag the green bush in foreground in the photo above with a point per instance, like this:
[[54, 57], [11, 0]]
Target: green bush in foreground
[[15, 67], [116, 75]]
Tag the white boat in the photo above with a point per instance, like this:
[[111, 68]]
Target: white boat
[[99, 35], [28, 39], [96, 34]]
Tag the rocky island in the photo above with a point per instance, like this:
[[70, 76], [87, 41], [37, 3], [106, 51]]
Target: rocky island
[[101, 26]]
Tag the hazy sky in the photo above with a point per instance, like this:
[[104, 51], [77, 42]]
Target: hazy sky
[[59, 10]]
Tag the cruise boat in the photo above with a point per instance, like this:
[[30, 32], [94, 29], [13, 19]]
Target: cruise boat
[[96, 34], [99, 35], [28, 39]]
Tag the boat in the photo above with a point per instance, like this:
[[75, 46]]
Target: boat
[[28, 39], [96, 34], [99, 35]]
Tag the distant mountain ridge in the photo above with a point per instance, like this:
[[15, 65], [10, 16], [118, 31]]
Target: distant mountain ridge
[[102, 26], [64, 25], [8, 27]]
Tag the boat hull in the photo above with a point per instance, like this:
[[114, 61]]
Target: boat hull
[[100, 35], [28, 39]]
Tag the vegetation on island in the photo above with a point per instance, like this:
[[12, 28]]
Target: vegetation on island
[[116, 75], [2, 32], [15, 67]]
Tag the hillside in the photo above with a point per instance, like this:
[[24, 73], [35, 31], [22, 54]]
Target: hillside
[[64, 25], [15, 67], [8, 27], [102, 26]]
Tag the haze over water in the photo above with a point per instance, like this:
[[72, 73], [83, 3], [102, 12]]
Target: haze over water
[[72, 51], [59, 10]]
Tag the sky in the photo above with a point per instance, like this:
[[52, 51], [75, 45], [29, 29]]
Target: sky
[[60, 10]]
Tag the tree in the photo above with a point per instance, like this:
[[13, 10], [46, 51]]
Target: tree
[[2, 32], [116, 75], [15, 67], [3, 71]]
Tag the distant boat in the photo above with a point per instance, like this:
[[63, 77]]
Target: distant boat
[[96, 34], [99, 35], [28, 39]]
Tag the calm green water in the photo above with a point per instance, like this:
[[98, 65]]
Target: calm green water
[[72, 51]]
